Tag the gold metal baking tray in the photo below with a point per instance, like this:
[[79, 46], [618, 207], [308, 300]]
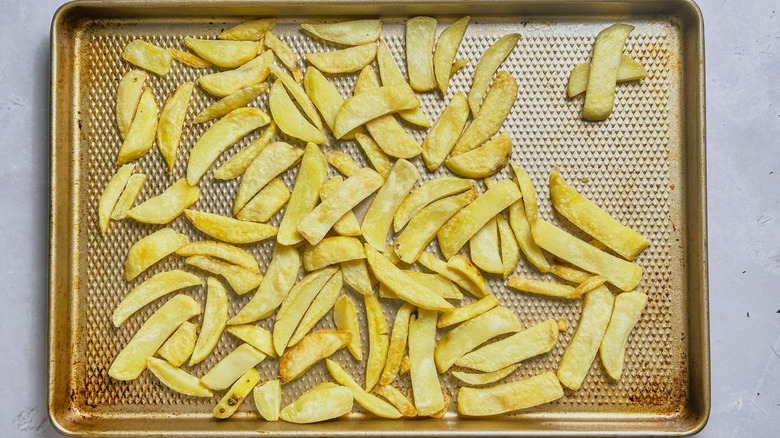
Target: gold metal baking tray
[[645, 165]]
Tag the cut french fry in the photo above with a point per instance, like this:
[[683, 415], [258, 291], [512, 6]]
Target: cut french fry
[[289, 119], [439, 266], [140, 136], [542, 287], [379, 217], [111, 194], [486, 67], [319, 307], [285, 54], [231, 102], [159, 285], [238, 163], [255, 336], [443, 411], [242, 280], [311, 349], [214, 317], [570, 274], [345, 317], [484, 248], [268, 399], [148, 56], [128, 196], [348, 33], [342, 162], [251, 30], [525, 238], [178, 348], [446, 48], [311, 176], [427, 193], [476, 379], [473, 332], [177, 379], [189, 59], [331, 251], [445, 132], [166, 206], [590, 284], [267, 165], [297, 92], [391, 75], [625, 314], [438, 283], [420, 40], [578, 357], [471, 272], [172, 121], [266, 203], [356, 275], [371, 104], [128, 94], [131, 361], [457, 65], [228, 404], [225, 83], [607, 52], [510, 250], [397, 399], [538, 339], [325, 401], [428, 398], [378, 341], [464, 313], [406, 365], [228, 253], [343, 61], [372, 403], [484, 160], [151, 249], [228, 229], [222, 53], [398, 341], [326, 98], [348, 224], [628, 70], [377, 157], [231, 367], [521, 394]]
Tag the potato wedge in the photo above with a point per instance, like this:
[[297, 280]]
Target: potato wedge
[[625, 275], [228, 253], [483, 161], [242, 280], [172, 121], [345, 317], [457, 65], [439, 266], [238, 163], [473, 332], [151, 249], [129, 195], [166, 206], [590, 218], [231, 102], [446, 48], [510, 250], [326, 98], [521, 394], [148, 56], [486, 67], [590, 284], [189, 59], [464, 313], [497, 105], [252, 30], [432, 190], [228, 229], [397, 399], [398, 341], [391, 75], [311, 176], [351, 192], [268, 399], [428, 398], [266, 203], [128, 94], [285, 54], [378, 340], [406, 364], [331, 251], [223, 53], [311, 349], [140, 136], [325, 401], [471, 272], [229, 402], [375, 154], [319, 307], [538, 339], [297, 92], [348, 33], [178, 348], [348, 225], [445, 132], [625, 314], [443, 411], [111, 194], [280, 276], [255, 336], [607, 52], [372, 403], [570, 274], [131, 361], [343, 61], [225, 83], [158, 285], [547, 288], [368, 105], [628, 70], [356, 275], [231, 367], [420, 41], [476, 379], [269, 163], [578, 357], [379, 216], [438, 283], [289, 119], [214, 317], [177, 379], [342, 162], [522, 230], [484, 248]]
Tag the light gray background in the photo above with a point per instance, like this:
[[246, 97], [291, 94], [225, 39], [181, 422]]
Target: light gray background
[[743, 130]]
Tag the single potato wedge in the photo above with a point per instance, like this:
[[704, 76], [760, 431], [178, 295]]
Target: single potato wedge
[[378, 158], [625, 314], [172, 121], [391, 75], [111, 194], [432, 190], [289, 119], [240, 98], [252, 30], [343, 61], [477, 379], [311, 176], [510, 250], [372, 403], [148, 56], [268, 399], [445, 132], [311, 349], [232, 399], [269, 163], [484, 160], [446, 48], [231, 367], [628, 70], [225, 54], [129, 195], [398, 341], [228, 229], [177, 379], [300, 96], [238, 163], [151, 249], [607, 52], [242, 280], [225, 83], [379, 217], [348, 33], [428, 398], [285, 54], [345, 318], [420, 41], [266, 203], [189, 59], [525, 238], [538, 339], [539, 287], [464, 313], [371, 104], [342, 162], [356, 276], [332, 251], [437, 283], [590, 284], [255, 336], [178, 348], [378, 340], [320, 306], [223, 251], [521, 394], [158, 285], [128, 94], [326, 98], [325, 401], [214, 317], [397, 399], [570, 274], [166, 206], [470, 271], [486, 68], [484, 248], [140, 136]]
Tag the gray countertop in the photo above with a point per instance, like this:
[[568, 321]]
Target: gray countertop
[[743, 127]]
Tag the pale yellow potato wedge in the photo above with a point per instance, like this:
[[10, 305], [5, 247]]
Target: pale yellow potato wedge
[[129, 195], [231, 367], [375, 154], [331, 251], [420, 41], [325, 401], [443, 411], [438, 283], [457, 65], [189, 59], [285, 54], [214, 317], [484, 160], [177, 379], [111, 194], [445, 132], [477, 379], [473, 332], [140, 136], [397, 399], [225, 54], [372, 403], [356, 275], [242, 280], [280, 276], [398, 341], [151, 249], [369, 105], [486, 67], [343, 61], [390, 254], [128, 94], [523, 180], [538, 339], [625, 314], [238, 163], [428, 398], [148, 56], [267, 165], [345, 318], [628, 70], [252, 30], [178, 348], [484, 248], [228, 253], [542, 287], [590, 218], [496, 107], [467, 221], [432, 190], [171, 122], [351, 192], [231, 102], [297, 92], [228, 229], [311, 349], [379, 216], [604, 64], [446, 48], [464, 313], [311, 176], [220, 136], [406, 364], [391, 75], [510, 250], [378, 340], [348, 225], [166, 206], [520, 394], [268, 399], [266, 203], [326, 98], [570, 274], [158, 285], [439, 266], [525, 238], [255, 336], [348, 33], [232, 399], [225, 83], [590, 284], [471, 272], [289, 119], [131, 361], [342, 162], [320, 306], [625, 275]]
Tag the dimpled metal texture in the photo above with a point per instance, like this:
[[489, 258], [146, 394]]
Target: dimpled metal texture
[[627, 164]]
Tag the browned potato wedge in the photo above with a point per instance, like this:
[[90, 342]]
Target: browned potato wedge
[[590, 284], [348, 33], [343, 61], [285, 54], [311, 349], [269, 163], [228, 229], [266, 203], [570, 274], [420, 40], [189, 59], [110, 196], [331, 251], [521, 394], [607, 52], [225, 83], [446, 48], [484, 160], [311, 176], [445, 132], [128, 94], [542, 287], [158, 285], [177, 379], [238, 163], [324, 402], [228, 404], [372, 403], [538, 339], [251, 30], [231, 102], [242, 280], [379, 217], [151, 249], [166, 206], [140, 136], [471, 272], [486, 67], [428, 398], [226, 54], [172, 121], [178, 348], [214, 317], [397, 399], [148, 56]]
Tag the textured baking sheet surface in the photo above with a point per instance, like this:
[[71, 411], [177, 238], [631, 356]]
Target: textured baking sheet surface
[[628, 164]]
